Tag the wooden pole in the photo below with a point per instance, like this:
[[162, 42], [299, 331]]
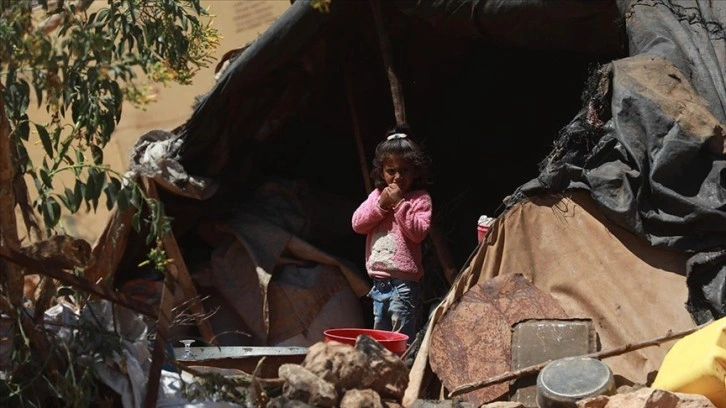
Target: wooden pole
[[385, 44], [356, 132], [180, 273], [442, 251]]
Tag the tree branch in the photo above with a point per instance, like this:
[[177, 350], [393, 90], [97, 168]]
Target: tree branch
[[44, 268]]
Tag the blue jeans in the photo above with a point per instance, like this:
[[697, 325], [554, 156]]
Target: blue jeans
[[394, 305]]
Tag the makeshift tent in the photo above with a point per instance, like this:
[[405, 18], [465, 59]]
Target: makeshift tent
[[490, 89], [624, 223]]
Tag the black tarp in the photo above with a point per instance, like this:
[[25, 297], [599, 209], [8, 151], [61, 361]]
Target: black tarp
[[649, 143]]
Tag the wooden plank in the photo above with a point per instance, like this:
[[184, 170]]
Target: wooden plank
[[109, 248], [180, 272], [158, 355]]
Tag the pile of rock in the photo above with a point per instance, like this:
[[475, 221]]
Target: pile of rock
[[340, 375], [368, 375]]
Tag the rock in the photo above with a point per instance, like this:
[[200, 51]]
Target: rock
[[301, 384], [339, 364], [361, 399], [391, 373], [284, 402]]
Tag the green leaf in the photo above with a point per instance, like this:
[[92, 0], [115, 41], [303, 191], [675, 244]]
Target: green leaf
[[136, 221], [71, 199], [45, 139], [56, 140], [64, 198], [45, 177], [21, 96], [97, 154], [92, 188], [135, 198], [123, 199], [112, 192], [24, 128], [23, 158], [79, 191], [118, 97], [79, 160], [37, 182], [51, 212], [39, 95]]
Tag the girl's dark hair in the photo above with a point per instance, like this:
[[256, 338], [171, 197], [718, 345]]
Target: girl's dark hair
[[406, 148]]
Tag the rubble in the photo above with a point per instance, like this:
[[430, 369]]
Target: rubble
[[368, 375], [340, 375], [647, 398]]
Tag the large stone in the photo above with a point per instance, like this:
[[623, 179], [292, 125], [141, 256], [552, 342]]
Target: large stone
[[339, 364], [390, 372], [361, 399], [301, 384]]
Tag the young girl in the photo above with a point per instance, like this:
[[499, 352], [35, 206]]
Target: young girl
[[396, 218]]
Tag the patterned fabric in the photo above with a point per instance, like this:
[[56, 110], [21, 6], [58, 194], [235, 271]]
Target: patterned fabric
[[393, 243]]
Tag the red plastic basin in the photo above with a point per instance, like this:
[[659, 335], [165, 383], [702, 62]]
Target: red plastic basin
[[392, 341]]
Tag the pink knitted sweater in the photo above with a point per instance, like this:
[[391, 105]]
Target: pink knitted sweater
[[393, 243]]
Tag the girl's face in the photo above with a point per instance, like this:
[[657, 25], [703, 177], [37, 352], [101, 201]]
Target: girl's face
[[398, 170]]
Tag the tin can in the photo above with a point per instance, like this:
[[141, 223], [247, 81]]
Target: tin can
[[563, 382]]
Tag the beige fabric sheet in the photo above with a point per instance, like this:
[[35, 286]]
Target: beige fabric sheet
[[631, 291]]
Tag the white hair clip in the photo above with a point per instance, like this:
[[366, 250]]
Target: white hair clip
[[396, 136]]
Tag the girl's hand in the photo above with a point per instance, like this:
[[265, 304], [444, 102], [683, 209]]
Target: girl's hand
[[390, 196], [394, 193]]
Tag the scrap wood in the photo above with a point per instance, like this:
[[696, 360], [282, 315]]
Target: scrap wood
[[242, 379], [48, 269], [162, 334], [110, 246], [511, 375], [179, 271]]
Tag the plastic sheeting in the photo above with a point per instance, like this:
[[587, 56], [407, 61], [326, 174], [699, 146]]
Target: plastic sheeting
[[579, 26], [596, 270], [649, 142]]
